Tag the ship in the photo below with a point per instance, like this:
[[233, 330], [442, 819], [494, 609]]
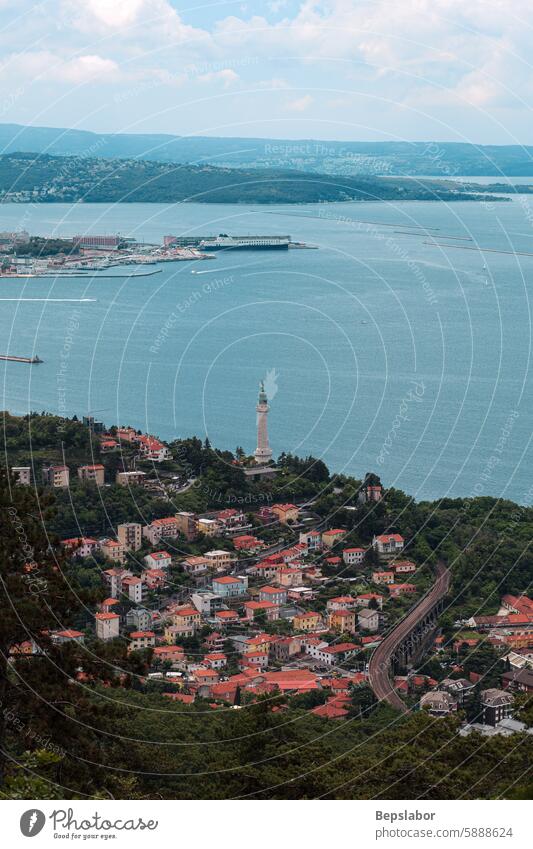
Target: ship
[[223, 242], [13, 359]]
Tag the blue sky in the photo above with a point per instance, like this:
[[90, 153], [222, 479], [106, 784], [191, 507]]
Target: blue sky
[[344, 69]]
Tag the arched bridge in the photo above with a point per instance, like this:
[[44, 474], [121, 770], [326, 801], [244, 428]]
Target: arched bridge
[[408, 640]]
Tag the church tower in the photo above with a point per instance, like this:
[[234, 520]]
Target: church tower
[[263, 452]]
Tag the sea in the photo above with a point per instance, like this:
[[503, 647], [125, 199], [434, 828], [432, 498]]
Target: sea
[[401, 345]]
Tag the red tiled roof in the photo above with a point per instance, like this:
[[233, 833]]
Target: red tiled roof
[[388, 537], [227, 579]]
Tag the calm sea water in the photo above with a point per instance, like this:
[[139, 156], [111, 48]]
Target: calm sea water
[[381, 352]]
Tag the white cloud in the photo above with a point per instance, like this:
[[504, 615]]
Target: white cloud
[[300, 104], [46, 66], [276, 83], [226, 76]]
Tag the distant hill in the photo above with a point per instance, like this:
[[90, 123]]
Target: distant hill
[[41, 178], [439, 159]]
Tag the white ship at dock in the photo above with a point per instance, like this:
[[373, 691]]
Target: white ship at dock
[[223, 242]]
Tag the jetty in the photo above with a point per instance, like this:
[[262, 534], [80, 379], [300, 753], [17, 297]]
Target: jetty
[[30, 360]]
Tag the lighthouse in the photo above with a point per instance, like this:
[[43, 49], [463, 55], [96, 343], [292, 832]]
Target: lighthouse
[[263, 452]]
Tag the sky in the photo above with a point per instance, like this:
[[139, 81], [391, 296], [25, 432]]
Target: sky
[[345, 69]]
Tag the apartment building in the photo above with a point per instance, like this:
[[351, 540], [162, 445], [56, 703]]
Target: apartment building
[[94, 473]]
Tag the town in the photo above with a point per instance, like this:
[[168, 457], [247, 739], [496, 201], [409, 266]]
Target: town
[[231, 604]]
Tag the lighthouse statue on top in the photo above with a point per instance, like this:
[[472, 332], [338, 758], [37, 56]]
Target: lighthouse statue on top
[[263, 452]]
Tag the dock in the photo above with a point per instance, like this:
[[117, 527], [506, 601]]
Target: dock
[[30, 360]]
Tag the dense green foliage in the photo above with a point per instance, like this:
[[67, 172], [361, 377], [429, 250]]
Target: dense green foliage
[[51, 179], [112, 732]]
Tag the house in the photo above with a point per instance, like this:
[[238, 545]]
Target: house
[[342, 620], [496, 705], [265, 570], [159, 529], [113, 578], [368, 619], [153, 449], [134, 588], [226, 617], [403, 567], [230, 586], [107, 445], [130, 478], [207, 602], [257, 658], [196, 566], [364, 599], [517, 604], [256, 641], [285, 513], [56, 476], [397, 590], [372, 492], [155, 579], [141, 640], [230, 519], [388, 544], [289, 576], [219, 560], [518, 679], [186, 617], [293, 680], [382, 577], [139, 618], [94, 473], [247, 542], [67, 636], [113, 550], [330, 538], [335, 654], [22, 474], [353, 556], [110, 605], [308, 621], [186, 524], [214, 641], [130, 535], [276, 595], [284, 649], [80, 546], [335, 562], [128, 435], [340, 602], [438, 703], [174, 633], [332, 709], [311, 539], [253, 608], [289, 555], [461, 689], [215, 660], [205, 677], [172, 654], [107, 625], [158, 560], [208, 527]]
